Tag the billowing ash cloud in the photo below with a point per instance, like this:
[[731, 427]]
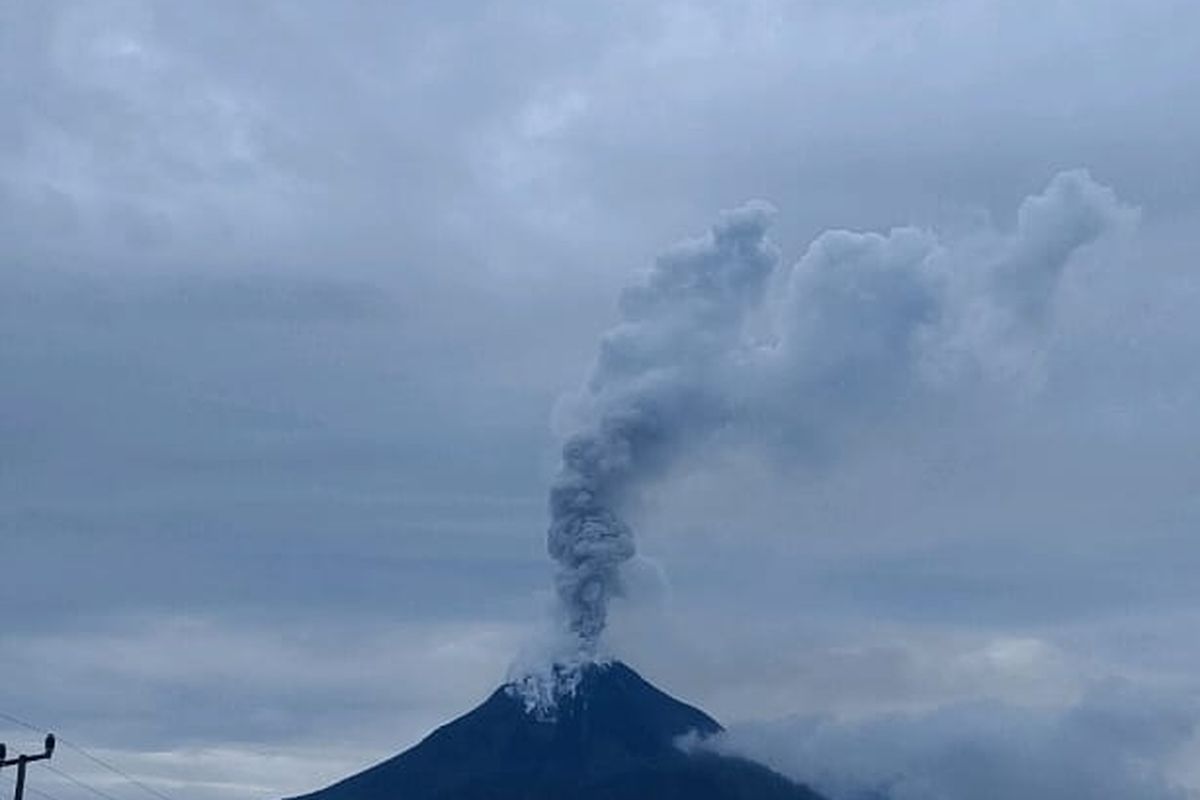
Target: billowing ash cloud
[[867, 327], [655, 385]]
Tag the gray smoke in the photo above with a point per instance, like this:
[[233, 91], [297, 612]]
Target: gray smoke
[[866, 327], [652, 388]]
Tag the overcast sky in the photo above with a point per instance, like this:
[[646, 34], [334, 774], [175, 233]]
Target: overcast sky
[[289, 293]]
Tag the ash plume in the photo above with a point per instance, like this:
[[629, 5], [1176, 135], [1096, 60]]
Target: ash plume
[[653, 387], [866, 327]]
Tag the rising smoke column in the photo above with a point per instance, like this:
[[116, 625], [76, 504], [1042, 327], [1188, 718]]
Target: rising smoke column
[[868, 327], [650, 391]]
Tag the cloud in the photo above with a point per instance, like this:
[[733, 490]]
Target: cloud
[[169, 682], [1118, 741], [289, 291]]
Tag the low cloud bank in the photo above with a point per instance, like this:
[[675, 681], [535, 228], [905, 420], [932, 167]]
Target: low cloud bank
[[1115, 742]]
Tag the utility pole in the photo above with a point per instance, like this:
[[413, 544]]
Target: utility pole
[[22, 760]]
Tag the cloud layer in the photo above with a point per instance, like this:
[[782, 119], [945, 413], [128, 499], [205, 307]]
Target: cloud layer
[[1115, 742], [287, 294]]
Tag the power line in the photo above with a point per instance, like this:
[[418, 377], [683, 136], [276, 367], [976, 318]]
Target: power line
[[40, 793], [23, 760], [21, 722], [60, 773], [116, 771], [98, 792], [94, 759], [32, 789]]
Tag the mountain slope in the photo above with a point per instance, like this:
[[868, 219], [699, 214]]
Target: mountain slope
[[613, 738]]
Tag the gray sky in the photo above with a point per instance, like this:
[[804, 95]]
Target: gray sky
[[289, 293]]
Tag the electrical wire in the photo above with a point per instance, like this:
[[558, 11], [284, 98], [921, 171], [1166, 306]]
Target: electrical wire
[[116, 770], [93, 758], [21, 722], [31, 789], [81, 784]]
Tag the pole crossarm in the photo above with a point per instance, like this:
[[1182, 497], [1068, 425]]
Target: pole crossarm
[[23, 760]]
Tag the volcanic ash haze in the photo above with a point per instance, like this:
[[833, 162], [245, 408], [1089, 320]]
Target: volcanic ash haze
[[868, 326]]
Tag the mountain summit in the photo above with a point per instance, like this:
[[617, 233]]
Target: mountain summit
[[613, 737]]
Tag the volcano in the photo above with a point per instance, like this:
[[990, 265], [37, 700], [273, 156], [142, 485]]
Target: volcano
[[614, 736]]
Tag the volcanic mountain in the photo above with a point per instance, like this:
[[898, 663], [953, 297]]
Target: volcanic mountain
[[613, 737]]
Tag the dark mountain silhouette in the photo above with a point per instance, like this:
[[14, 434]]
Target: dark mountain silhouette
[[613, 738]]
